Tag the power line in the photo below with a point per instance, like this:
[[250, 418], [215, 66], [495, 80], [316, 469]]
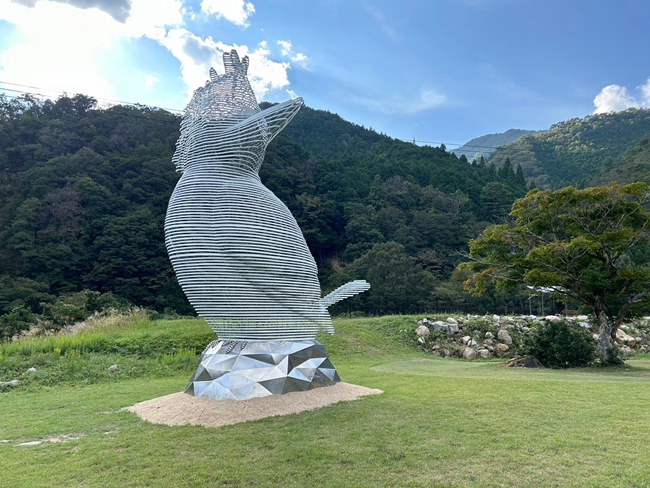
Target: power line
[[122, 102], [450, 143]]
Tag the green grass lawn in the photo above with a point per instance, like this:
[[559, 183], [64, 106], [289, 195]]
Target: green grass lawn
[[440, 422]]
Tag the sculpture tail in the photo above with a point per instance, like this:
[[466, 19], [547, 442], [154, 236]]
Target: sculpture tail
[[346, 291]]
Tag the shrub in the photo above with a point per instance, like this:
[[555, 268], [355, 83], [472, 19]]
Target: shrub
[[14, 322], [560, 345]]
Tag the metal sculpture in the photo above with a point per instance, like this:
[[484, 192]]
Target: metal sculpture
[[237, 251]]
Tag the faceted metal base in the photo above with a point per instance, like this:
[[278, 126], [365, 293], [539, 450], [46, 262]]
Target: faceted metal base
[[232, 370]]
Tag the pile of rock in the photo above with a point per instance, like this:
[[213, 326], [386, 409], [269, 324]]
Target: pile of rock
[[488, 336], [482, 337]]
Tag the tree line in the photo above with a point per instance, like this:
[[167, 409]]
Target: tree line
[[84, 190]]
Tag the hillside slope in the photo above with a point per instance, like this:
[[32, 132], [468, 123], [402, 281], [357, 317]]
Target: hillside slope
[[576, 151], [84, 193], [633, 165]]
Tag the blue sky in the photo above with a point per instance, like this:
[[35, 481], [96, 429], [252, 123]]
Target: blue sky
[[437, 70]]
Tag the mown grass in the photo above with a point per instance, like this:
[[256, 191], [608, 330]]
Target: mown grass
[[440, 422]]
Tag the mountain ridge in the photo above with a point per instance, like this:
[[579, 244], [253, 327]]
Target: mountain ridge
[[485, 145]]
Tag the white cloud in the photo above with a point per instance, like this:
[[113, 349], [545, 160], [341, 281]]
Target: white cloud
[[62, 48], [150, 81], [427, 100], [286, 48], [197, 55], [59, 47], [645, 90], [613, 98], [118, 9], [236, 11]]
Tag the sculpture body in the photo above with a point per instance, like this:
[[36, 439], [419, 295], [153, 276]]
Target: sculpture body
[[237, 251]]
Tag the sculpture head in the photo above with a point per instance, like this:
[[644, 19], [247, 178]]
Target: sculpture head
[[226, 99], [223, 102]]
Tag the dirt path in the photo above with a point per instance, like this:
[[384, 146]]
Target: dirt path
[[183, 409]]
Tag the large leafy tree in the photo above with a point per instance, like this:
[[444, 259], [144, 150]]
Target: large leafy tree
[[592, 245]]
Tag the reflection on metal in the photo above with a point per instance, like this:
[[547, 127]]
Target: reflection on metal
[[237, 251], [231, 370]]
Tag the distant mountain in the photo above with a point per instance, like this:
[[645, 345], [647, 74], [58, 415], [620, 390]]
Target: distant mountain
[[485, 145], [577, 151]]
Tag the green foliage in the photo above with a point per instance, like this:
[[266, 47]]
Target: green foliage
[[578, 150], [631, 166], [591, 245], [398, 283], [14, 322], [561, 345], [85, 190], [139, 346]]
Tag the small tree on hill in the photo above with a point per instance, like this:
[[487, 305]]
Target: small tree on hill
[[592, 245]]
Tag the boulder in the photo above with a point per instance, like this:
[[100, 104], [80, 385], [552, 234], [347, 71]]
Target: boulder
[[448, 328], [451, 320], [421, 340], [483, 353], [622, 336], [504, 337], [489, 335], [469, 353], [596, 337], [582, 318], [496, 318], [13, 383], [465, 339], [113, 368], [501, 347], [525, 362], [31, 370], [586, 325], [554, 319], [423, 331], [472, 343], [488, 342]]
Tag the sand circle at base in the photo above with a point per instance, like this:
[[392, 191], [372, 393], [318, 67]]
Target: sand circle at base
[[184, 409]]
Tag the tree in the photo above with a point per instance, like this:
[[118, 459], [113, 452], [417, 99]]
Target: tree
[[592, 245], [398, 283]]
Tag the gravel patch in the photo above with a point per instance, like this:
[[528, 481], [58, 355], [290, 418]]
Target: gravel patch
[[184, 409]]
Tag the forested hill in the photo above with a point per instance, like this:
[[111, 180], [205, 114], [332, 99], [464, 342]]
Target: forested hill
[[633, 165], [486, 145], [575, 152], [83, 194]]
